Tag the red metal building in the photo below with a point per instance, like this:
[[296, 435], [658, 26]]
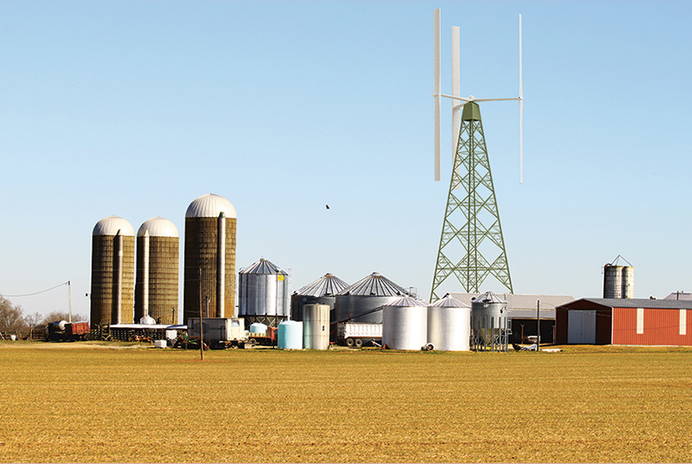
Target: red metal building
[[604, 321]]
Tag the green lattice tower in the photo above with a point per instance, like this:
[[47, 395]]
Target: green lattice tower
[[472, 247]]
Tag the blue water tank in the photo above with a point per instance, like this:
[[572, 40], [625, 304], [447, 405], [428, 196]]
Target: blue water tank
[[258, 328], [290, 335]]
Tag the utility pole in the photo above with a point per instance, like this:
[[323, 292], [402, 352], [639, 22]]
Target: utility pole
[[538, 325], [201, 324], [69, 301]]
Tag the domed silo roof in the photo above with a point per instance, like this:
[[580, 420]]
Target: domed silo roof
[[210, 205], [407, 302], [448, 301], [327, 285], [263, 266], [374, 284], [158, 227], [112, 225]]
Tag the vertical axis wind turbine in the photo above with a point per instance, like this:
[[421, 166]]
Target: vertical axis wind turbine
[[471, 220]]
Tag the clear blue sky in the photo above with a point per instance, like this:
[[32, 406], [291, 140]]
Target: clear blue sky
[[135, 108]]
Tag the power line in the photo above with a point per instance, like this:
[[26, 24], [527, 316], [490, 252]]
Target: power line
[[62, 284]]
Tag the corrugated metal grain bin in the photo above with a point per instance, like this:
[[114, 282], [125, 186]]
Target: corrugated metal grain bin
[[210, 246], [364, 300], [405, 324], [322, 291], [112, 272], [263, 294], [158, 254]]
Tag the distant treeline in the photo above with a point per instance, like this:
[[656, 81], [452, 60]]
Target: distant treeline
[[13, 320]]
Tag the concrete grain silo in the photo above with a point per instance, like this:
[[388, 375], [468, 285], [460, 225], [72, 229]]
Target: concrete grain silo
[[210, 231], [112, 272], [158, 256]]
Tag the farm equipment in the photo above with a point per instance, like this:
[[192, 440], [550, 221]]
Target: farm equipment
[[359, 334], [222, 333], [62, 331]]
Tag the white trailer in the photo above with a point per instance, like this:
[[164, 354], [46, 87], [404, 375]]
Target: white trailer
[[358, 334], [219, 331]]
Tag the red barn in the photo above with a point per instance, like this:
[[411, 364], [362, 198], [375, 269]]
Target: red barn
[[605, 321]]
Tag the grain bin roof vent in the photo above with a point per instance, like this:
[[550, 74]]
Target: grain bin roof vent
[[111, 225], [327, 285], [210, 205], [158, 227], [374, 284], [448, 301], [263, 266]]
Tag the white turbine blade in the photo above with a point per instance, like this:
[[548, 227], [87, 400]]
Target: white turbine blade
[[521, 104], [456, 86], [496, 99], [437, 85], [461, 99]]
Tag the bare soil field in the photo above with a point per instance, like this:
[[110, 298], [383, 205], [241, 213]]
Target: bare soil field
[[586, 404]]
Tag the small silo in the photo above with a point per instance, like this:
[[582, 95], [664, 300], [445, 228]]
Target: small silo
[[627, 282], [612, 281], [363, 301], [322, 291], [316, 326], [489, 322], [210, 231], [112, 272], [263, 294], [405, 324], [449, 325], [158, 254]]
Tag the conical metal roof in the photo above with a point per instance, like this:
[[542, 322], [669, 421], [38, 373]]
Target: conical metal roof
[[374, 284], [263, 266], [327, 285], [407, 302], [449, 302], [489, 297]]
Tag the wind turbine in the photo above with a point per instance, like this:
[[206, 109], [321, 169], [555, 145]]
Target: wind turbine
[[472, 220], [457, 100]]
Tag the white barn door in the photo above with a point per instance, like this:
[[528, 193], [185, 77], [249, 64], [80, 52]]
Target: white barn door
[[581, 327]]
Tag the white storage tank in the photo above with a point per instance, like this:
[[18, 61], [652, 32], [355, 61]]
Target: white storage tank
[[405, 324], [316, 326], [258, 328], [290, 336], [449, 325]]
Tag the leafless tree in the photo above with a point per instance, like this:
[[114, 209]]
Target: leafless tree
[[34, 322], [12, 318], [62, 316]]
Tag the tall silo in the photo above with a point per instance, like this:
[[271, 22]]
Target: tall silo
[[322, 291], [158, 255], [263, 294], [364, 300], [112, 272], [210, 230]]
